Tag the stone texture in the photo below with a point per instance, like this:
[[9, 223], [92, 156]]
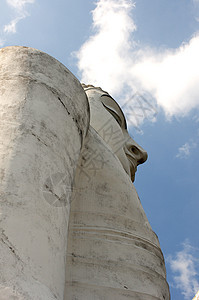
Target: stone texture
[[53, 165], [112, 251], [44, 118]]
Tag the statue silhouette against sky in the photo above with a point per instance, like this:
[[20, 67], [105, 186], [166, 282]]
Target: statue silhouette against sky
[[72, 224], [112, 251]]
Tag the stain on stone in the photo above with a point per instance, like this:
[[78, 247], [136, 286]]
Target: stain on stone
[[38, 138], [43, 124], [63, 105], [81, 134], [2, 174], [6, 241]]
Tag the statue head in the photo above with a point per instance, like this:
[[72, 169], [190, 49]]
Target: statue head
[[109, 121]]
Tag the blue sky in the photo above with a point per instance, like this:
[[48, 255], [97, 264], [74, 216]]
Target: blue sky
[[148, 51]]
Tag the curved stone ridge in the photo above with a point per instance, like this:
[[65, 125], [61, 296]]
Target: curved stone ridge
[[90, 86], [44, 117], [112, 251]]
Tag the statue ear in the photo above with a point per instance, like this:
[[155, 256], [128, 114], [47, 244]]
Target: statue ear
[[113, 108], [114, 114]]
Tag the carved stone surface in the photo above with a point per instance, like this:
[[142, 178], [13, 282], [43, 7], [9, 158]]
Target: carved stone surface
[[109, 121], [60, 159], [44, 118], [112, 251]]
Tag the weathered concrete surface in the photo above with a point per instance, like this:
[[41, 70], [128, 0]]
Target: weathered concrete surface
[[47, 160], [43, 121], [112, 251], [109, 122]]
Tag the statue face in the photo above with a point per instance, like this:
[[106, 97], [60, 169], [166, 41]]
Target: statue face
[[108, 120]]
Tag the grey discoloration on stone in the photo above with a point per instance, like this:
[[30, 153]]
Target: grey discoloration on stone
[[56, 162], [43, 122], [6, 241], [33, 65], [112, 251]]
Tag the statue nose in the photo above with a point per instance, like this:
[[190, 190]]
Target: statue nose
[[136, 151], [139, 154]]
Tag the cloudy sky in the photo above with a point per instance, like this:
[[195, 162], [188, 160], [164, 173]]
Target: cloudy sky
[[146, 55]]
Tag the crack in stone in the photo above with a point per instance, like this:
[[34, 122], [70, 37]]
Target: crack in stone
[[49, 189], [39, 139], [63, 105], [6, 241], [54, 91]]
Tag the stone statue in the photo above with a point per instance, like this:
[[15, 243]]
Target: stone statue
[[72, 225], [125, 148], [112, 251], [44, 118]]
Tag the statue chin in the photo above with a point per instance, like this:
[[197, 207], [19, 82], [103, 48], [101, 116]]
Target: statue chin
[[132, 174]]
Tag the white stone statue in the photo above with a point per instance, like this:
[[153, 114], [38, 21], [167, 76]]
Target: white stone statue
[[115, 134], [112, 251], [71, 222], [44, 118]]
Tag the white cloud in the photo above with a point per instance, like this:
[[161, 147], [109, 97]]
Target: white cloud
[[110, 58], [185, 150], [196, 118], [171, 76], [19, 4], [184, 266], [21, 13], [103, 58], [11, 27]]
